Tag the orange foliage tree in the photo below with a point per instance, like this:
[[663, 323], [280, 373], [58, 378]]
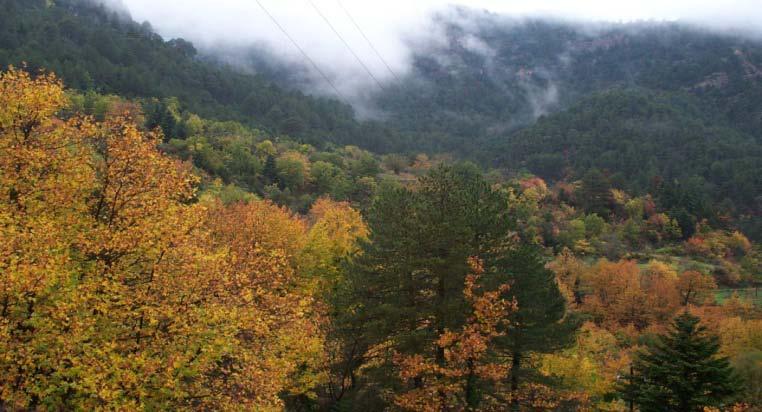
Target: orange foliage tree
[[452, 385], [617, 297], [624, 295], [694, 287]]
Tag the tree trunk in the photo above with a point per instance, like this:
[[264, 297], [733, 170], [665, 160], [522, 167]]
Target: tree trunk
[[441, 298], [577, 293], [471, 399], [515, 366], [632, 399]]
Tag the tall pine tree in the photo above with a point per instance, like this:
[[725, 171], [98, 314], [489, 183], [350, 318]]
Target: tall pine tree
[[680, 372], [270, 172], [408, 281], [595, 193], [538, 326]]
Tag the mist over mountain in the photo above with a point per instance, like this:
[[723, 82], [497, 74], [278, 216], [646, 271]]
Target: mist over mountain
[[477, 85], [478, 76], [519, 60], [510, 72], [386, 37]]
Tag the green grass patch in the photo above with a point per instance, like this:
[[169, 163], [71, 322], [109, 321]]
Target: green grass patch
[[748, 294]]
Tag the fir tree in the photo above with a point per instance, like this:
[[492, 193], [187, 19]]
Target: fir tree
[[270, 171], [680, 372], [595, 193]]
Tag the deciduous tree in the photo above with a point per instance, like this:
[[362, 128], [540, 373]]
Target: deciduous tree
[[694, 287], [454, 383]]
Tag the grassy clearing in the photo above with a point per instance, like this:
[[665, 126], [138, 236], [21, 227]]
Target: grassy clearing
[[749, 294]]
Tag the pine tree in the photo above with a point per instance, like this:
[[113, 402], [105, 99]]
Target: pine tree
[[595, 193], [408, 280], [680, 372], [537, 326]]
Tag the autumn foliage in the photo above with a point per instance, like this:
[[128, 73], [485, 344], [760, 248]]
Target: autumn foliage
[[124, 288], [450, 384], [118, 289]]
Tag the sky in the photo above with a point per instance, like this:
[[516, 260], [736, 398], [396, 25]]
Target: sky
[[391, 26]]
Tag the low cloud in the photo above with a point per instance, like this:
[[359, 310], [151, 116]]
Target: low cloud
[[394, 28]]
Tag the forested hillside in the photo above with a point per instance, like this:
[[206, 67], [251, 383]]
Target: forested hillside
[[92, 47], [662, 143], [490, 74], [547, 218], [661, 108], [683, 110]]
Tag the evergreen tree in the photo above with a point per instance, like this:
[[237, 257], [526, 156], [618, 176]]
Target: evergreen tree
[[270, 171], [158, 114], [537, 326], [680, 372], [595, 193], [408, 281]]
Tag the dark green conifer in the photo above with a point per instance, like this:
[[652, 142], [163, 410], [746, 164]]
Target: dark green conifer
[[680, 372], [408, 282], [595, 193], [270, 171], [538, 326]]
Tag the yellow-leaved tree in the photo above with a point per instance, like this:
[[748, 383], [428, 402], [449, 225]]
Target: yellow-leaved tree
[[118, 289], [334, 235], [44, 181], [274, 336]]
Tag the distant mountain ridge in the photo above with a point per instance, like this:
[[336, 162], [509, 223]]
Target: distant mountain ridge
[[511, 71]]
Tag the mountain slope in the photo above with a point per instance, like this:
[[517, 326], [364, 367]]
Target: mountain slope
[[642, 102], [488, 76], [646, 141], [91, 47]]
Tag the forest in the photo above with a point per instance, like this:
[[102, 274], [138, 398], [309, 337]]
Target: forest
[[178, 235]]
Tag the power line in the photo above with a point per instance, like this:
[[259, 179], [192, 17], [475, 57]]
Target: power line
[[359, 60], [370, 43], [306, 56]]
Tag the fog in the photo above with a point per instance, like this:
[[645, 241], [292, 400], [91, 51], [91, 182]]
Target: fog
[[380, 36]]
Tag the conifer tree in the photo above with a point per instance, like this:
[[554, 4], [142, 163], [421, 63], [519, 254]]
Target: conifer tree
[[270, 172], [680, 372], [409, 277], [595, 193], [538, 326]]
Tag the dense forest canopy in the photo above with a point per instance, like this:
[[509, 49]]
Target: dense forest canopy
[[545, 222], [670, 94]]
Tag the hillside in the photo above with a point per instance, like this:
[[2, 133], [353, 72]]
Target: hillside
[[91, 47], [491, 75], [544, 217], [130, 283], [509, 93], [658, 142], [660, 108]]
